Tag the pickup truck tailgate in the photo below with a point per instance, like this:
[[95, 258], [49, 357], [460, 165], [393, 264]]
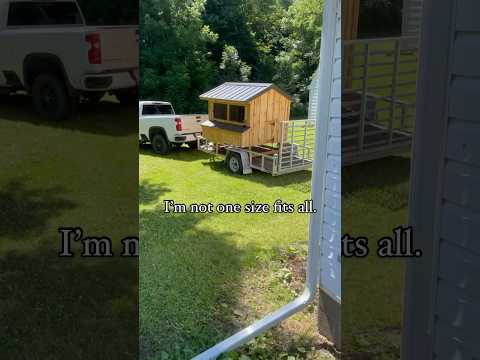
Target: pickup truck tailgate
[[119, 47], [191, 123]]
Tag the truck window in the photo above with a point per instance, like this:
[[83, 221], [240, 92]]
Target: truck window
[[43, 13], [157, 109], [108, 12]]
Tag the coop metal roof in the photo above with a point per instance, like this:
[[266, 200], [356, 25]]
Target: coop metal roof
[[238, 91]]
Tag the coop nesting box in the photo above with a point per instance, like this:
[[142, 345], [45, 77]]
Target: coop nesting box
[[245, 114]]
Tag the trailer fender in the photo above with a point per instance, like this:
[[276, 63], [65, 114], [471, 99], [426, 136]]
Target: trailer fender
[[247, 170]]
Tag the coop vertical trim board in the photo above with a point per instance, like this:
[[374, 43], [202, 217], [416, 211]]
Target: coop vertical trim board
[[324, 112]]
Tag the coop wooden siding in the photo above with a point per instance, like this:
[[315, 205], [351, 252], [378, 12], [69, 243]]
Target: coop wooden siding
[[457, 297], [331, 251], [350, 13], [274, 108]]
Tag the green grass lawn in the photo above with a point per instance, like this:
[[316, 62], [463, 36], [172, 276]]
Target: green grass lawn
[[74, 173], [203, 276], [374, 201]]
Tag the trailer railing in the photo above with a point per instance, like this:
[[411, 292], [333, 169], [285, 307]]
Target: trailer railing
[[297, 141], [378, 97], [293, 152]]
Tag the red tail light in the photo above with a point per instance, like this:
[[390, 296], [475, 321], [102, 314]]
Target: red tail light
[[178, 124], [95, 51]]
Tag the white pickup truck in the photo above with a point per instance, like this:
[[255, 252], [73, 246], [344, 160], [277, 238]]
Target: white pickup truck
[[162, 128], [50, 49]]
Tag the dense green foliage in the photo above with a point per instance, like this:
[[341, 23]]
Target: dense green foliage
[[190, 46], [380, 18]]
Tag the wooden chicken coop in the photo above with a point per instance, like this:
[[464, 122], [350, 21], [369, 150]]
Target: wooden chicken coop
[[249, 125], [245, 114]]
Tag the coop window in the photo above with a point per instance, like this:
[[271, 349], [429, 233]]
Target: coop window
[[220, 111], [237, 113]]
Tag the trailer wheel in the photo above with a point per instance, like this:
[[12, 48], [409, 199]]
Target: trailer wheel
[[160, 144], [234, 163]]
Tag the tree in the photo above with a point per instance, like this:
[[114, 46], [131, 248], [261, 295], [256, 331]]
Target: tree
[[189, 46], [299, 58], [232, 68], [175, 63]]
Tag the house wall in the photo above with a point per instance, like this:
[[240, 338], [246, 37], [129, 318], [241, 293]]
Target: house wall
[[443, 286], [412, 17], [328, 119]]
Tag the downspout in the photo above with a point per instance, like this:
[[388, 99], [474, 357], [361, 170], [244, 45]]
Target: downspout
[[325, 79]]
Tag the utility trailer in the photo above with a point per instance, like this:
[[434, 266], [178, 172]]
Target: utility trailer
[[293, 152]]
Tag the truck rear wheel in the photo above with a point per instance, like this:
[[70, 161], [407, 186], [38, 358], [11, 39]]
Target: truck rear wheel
[[51, 100], [160, 144], [234, 163]]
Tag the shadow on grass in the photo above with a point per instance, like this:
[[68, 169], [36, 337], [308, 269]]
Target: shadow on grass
[[190, 289], [383, 182], [183, 153], [376, 200], [300, 180], [149, 193], [105, 118], [64, 308], [23, 211], [384, 172], [186, 273]]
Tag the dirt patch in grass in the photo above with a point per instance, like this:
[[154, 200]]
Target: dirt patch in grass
[[278, 281]]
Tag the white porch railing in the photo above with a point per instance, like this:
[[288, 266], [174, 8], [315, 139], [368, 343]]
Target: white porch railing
[[378, 97]]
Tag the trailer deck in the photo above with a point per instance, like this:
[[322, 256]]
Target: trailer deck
[[293, 153]]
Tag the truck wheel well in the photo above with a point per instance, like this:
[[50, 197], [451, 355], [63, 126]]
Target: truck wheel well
[[37, 64], [155, 131]]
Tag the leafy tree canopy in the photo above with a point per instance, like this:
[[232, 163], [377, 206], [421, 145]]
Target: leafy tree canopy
[[189, 46]]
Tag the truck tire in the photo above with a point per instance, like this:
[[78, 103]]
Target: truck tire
[[51, 100], [234, 163], [160, 144]]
